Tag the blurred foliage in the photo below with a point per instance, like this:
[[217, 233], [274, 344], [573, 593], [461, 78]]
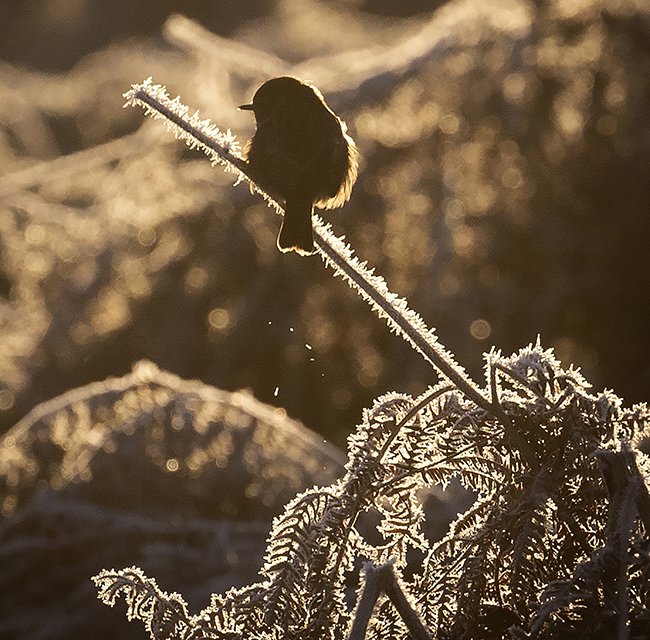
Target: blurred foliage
[[52, 35], [505, 189], [146, 468], [234, 456]]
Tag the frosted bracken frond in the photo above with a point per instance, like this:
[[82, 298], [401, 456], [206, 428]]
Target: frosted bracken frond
[[165, 615], [568, 523]]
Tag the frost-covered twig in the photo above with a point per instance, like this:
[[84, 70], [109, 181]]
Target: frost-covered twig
[[222, 148], [378, 580]]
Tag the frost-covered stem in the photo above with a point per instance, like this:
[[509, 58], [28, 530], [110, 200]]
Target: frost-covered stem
[[626, 517], [643, 498], [366, 605], [378, 580], [332, 249], [408, 614], [140, 94], [415, 333]]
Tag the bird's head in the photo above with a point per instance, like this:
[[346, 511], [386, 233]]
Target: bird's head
[[279, 94]]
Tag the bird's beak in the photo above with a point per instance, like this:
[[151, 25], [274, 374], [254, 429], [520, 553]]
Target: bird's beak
[[245, 107]]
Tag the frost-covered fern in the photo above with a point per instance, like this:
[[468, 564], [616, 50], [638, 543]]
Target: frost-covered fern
[[554, 546]]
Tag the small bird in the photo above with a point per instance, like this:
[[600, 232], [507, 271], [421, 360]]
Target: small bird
[[300, 151]]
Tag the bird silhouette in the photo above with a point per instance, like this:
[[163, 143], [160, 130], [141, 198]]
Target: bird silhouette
[[300, 151]]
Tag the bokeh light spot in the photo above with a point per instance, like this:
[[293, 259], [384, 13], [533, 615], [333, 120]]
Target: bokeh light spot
[[146, 237], [6, 399], [219, 319], [480, 329], [450, 123]]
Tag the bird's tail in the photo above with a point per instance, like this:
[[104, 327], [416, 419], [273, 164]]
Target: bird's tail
[[296, 232]]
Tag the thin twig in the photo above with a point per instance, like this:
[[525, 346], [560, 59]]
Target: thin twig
[[415, 333], [142, 95]]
